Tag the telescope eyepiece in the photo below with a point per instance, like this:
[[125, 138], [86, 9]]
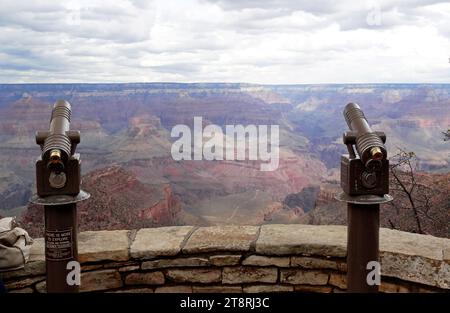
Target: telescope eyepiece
[[376, 153], [55, 163], [55, 155]]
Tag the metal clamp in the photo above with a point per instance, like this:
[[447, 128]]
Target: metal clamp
[[363, 199], [60, 199]]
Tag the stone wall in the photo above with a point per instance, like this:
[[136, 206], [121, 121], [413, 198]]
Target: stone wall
[[269, 258]]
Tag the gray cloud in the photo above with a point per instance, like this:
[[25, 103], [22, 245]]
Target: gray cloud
[[317, 7], [213, 40], [122, 23], [178, 68], [348, 14]]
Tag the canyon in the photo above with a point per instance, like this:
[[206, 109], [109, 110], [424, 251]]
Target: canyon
[[134, 181]]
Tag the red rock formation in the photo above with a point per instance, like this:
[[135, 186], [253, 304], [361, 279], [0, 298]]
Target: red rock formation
[[118, 201], [163, 212]]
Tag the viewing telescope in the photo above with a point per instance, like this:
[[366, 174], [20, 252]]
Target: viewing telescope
[[365, 185], [58, 168], [58, 180], [366, 170]]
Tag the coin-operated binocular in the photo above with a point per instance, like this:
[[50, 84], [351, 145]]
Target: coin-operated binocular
[[58, 181], [366, 170], [58, 168], [365, 185]]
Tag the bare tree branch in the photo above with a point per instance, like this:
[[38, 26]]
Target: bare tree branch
[[391, 224], [446, 135], [403, 172]]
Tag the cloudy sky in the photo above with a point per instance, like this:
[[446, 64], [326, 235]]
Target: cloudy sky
[[254, 41]]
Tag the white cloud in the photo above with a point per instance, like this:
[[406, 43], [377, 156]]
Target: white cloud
[[231, 41]]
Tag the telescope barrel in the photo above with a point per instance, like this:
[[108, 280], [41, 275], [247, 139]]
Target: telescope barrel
[[368, 144], [58, 140], [355, 118]]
